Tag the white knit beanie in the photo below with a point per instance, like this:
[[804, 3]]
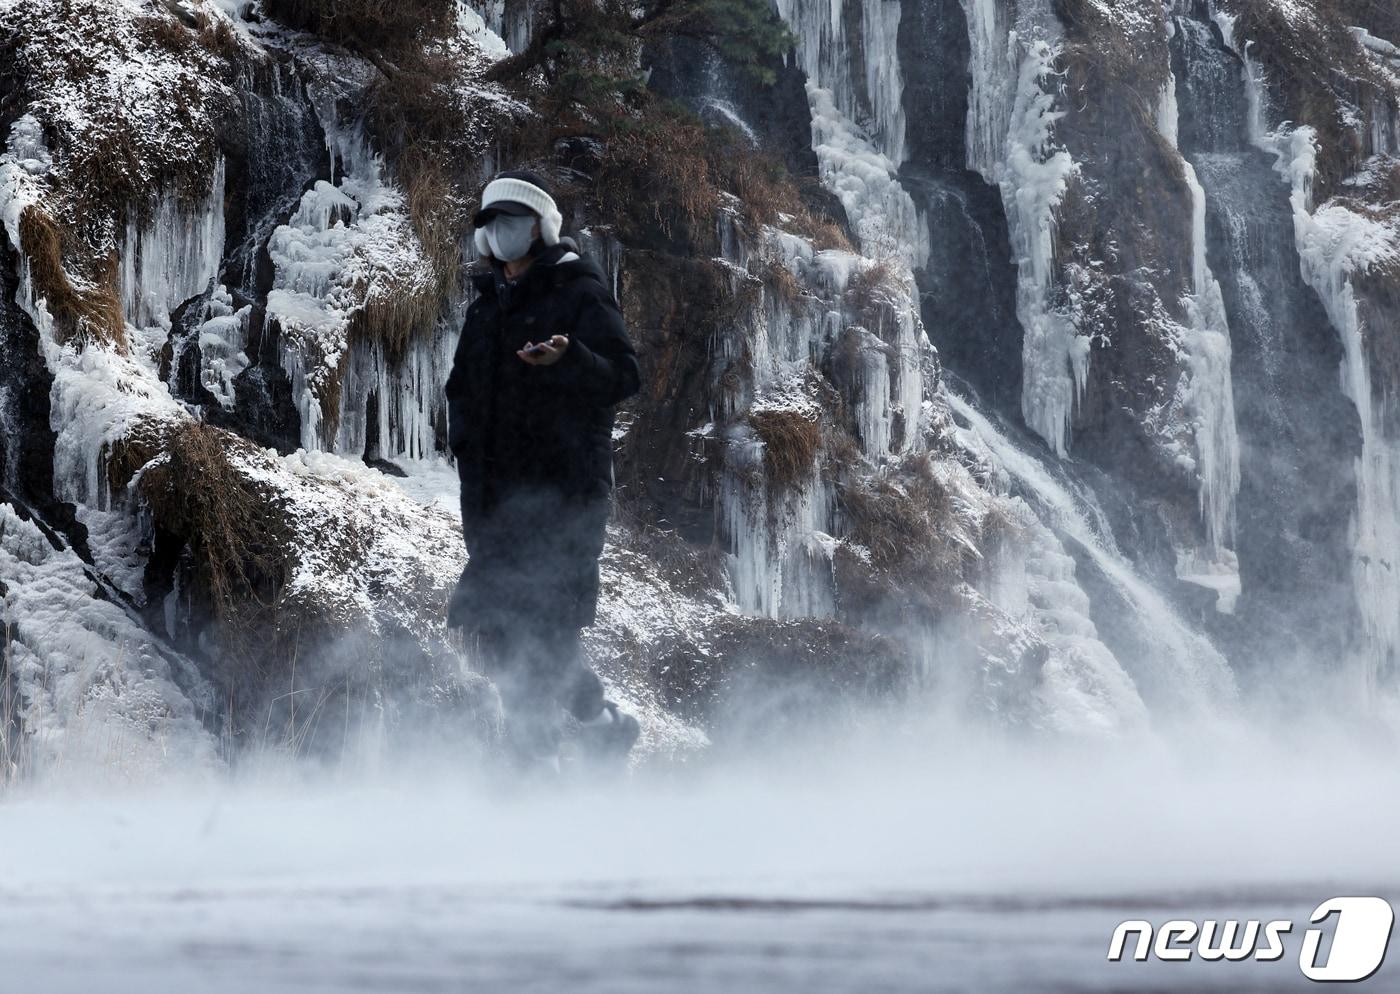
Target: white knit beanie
[[510, 187]]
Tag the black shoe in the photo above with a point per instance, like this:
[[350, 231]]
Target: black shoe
[[608, 738]]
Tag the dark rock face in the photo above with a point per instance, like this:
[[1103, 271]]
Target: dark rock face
[[275, 150], [26, 436], [1128, 217], [1299, 434], [266, 409], [673, 305], [1378, 304], [1126, 221], [1124, 246], [968, 289]]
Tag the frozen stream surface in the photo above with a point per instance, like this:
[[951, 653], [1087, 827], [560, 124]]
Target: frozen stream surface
[[995, 871]]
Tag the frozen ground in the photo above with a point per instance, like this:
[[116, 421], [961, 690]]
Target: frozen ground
[[969, 866]]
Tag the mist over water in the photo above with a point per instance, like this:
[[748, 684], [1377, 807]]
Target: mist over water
[[924, 851]]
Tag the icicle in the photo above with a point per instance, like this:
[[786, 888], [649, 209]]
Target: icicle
[[409, 400], [992, 88], [173, 257], [780, 559], [830, 60], [1210, 399], [1209, 389], [1055, 358], [874, 416], [1010, 124]]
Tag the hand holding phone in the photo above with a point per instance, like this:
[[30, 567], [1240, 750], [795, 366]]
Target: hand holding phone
[[544, 353]]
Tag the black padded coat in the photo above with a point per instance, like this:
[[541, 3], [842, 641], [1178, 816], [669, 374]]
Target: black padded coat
[[533, 444]]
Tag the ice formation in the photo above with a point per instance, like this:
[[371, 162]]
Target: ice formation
[[781, 563], [1208, 390], [1335, 243], [222, 339], [884, 216], [349, 246], [860, 167], [1010, 141], [780, 536], [172, 256], [851, 69], [95, 688], [770, 529], [1173, 668], [396, 403]]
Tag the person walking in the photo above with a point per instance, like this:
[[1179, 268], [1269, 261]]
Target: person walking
[[543, 359]]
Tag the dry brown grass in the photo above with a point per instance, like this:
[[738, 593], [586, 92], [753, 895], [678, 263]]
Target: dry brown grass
[[371, 23], [419, 126], [905, 519], [233, 531], [1098, 41], [782, 281], [760, 180], [437, 209], [218, 37], [825, 233], [142, 442], [394, 319], [235, 546], [661, 162], [864, 289], [83, 311], [662, 171], [842, 450], [791, 440], [909, 523], [166, 32], [770, 194]]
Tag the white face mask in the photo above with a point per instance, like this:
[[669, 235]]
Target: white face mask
[[510, 235]]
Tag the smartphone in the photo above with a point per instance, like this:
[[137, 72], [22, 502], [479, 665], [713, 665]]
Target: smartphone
[[541, 349]]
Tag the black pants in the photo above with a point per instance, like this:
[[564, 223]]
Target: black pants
[[540, 670]]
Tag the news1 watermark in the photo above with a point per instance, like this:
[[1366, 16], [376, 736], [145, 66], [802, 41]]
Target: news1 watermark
[[1360, 935]]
